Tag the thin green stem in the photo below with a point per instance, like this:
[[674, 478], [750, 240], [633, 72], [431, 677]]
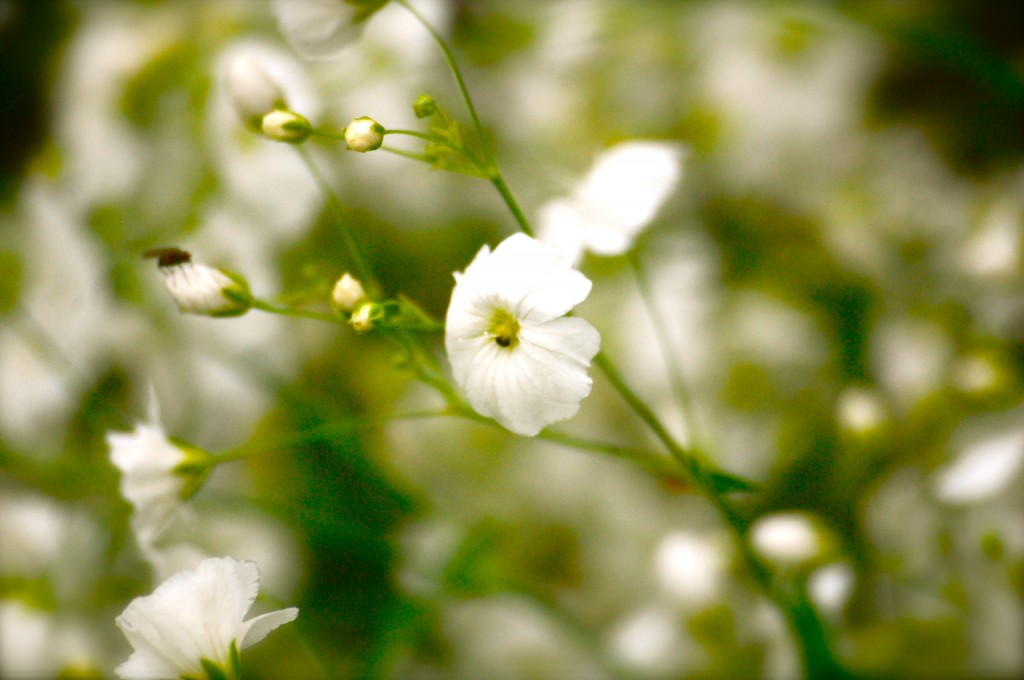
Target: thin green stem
[[330, 134], [677, 382], [408, 154], [336, 208], [453, 67], [409, 133], [265, 306], [506, 194], [341, 427]]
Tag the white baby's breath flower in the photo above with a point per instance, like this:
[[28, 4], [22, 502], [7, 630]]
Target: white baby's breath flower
[[194, 620], [201, 289], [252, 90], [617, 198], [157, 474], [323, 29], [516, 355]]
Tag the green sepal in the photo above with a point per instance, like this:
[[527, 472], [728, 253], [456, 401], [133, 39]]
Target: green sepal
[[241, 296], [195, 468], [366, 9], [213, 671], [235, 660], [726, 482]]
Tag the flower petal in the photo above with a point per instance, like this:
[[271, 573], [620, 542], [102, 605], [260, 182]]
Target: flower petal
[[258, 627]]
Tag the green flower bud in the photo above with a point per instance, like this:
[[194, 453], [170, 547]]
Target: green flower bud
[[424, 106]]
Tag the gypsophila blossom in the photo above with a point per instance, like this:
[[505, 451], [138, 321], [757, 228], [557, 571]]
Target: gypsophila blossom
[[157, 474], [323, 29], [200, 289], [514, 353], [619, 196], [252, 91], [192, 624]]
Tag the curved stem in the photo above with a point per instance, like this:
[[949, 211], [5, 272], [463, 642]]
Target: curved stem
[[409, 133], [341, 427], [676, 380], [453, 67], [408, 154], [499, 183]]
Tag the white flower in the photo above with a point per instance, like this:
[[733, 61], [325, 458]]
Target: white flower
[[252, 91], [348, 293], [157, 474], [323, 29], [787, 538], [513, 351], [618, 197], [364, 134], [201, 289], [196, 616]]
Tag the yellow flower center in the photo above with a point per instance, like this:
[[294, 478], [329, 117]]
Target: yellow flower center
[[504, 328]]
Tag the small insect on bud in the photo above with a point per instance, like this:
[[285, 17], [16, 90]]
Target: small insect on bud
[[424, 106], [348, 294], [286, 126], [198, 288], [364, 134]]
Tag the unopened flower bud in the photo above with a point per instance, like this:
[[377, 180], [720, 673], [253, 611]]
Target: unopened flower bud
[[364, 134], [252, 91], [364, 318], [283, 125], [201, 289], [424, 106], [348, 294]]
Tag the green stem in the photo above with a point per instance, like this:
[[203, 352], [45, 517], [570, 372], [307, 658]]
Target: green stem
[[453, 67], [330, 134], [341, 427], [676, 380], [337, 213], [410, 133], [506, 194], [265, 306], [408, 154]]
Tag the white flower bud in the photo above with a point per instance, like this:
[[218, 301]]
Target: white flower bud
[[282, 125], [252, 91], [348, 294], [201, 289], [788, 539], [364, 134]]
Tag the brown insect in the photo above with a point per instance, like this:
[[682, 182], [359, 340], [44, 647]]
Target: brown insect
[[168, 257]]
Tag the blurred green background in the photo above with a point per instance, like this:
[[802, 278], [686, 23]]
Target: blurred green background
[[839, 272]]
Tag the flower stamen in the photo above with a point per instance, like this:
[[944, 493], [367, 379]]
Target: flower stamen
[[504, 329]]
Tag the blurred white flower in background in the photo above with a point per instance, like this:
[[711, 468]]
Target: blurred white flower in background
[[323, 29], [157, 474], [196, 616], [252, 90], [786, 538], [690, 567], [516, 355], [619, 196], [982, 469]]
